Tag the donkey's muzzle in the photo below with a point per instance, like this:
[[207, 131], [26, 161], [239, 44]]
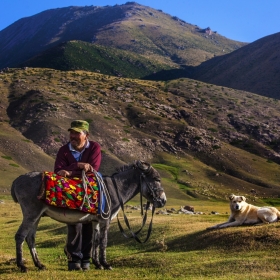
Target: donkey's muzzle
[[160, 201]]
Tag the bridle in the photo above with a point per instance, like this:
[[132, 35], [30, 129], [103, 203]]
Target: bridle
[[152, 190]]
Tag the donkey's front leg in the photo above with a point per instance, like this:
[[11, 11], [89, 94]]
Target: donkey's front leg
[[104, 228], [95, 246]]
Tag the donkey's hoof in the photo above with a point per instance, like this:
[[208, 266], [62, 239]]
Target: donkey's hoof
[[99, 266], [107, 267], [42, 267], [23, 269]]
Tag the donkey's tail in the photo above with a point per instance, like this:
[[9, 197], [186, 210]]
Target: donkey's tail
[[13, 191]]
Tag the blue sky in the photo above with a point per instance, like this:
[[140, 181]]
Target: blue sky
[[241, 20]]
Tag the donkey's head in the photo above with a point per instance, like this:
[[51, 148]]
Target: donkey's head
[[150, 184]]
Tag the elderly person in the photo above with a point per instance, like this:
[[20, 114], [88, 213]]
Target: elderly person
[[77, 155]]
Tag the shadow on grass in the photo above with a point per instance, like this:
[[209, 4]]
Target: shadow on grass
[[12, 221], [248, 238], [56, 236], [244, 237], [53, 229]]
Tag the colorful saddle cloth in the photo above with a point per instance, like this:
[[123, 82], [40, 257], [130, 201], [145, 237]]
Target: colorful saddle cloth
[[70, 193]]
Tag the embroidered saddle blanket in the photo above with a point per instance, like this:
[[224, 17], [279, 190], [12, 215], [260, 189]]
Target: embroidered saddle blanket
[[70, 193]]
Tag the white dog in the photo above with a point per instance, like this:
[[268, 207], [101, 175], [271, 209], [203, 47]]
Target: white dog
[[243, 213]]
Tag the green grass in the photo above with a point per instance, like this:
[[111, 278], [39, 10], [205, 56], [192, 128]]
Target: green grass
[[179, 248], [102, 59], [170, 169], [6, 157]]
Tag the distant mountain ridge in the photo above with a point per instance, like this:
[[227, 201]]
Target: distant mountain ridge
[[145, 31], [46, 29], [254, 67]]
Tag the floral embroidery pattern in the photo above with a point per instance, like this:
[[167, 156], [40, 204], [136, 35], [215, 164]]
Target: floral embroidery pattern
[[70, 193]]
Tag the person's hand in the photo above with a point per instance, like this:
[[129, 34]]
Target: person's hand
[[85, 166], [64, 173]]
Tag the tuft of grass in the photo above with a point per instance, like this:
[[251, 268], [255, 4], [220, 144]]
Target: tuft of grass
[[14, 165], [171, 169], [7, 157]]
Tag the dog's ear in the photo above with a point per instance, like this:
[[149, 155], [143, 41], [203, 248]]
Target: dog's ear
[[231, 197], [243, 198]]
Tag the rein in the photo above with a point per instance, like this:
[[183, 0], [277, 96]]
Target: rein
[[134, 234]]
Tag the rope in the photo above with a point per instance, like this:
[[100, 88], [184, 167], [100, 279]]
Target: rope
[[104, 194], [134, 234]]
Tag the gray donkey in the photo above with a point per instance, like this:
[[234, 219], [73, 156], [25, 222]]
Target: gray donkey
[[121, 186]]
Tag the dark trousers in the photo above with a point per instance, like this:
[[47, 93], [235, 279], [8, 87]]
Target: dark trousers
[[79, 242]]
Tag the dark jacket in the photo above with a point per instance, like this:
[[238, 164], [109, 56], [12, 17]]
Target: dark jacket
[[66, 161]]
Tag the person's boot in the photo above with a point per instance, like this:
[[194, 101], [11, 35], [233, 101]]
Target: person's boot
[[74, 265], [85, 265]]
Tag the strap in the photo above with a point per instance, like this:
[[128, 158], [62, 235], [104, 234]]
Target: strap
[[134, 234]]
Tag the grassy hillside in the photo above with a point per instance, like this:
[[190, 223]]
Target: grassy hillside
[[206, 140], [78, 55]]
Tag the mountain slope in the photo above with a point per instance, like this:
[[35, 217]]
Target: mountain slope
[[75, 55], [206, 139], [159, 37], [254, 68]]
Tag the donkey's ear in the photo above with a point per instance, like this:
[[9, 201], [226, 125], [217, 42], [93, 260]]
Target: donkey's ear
[[143, 165], [140, 163]]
